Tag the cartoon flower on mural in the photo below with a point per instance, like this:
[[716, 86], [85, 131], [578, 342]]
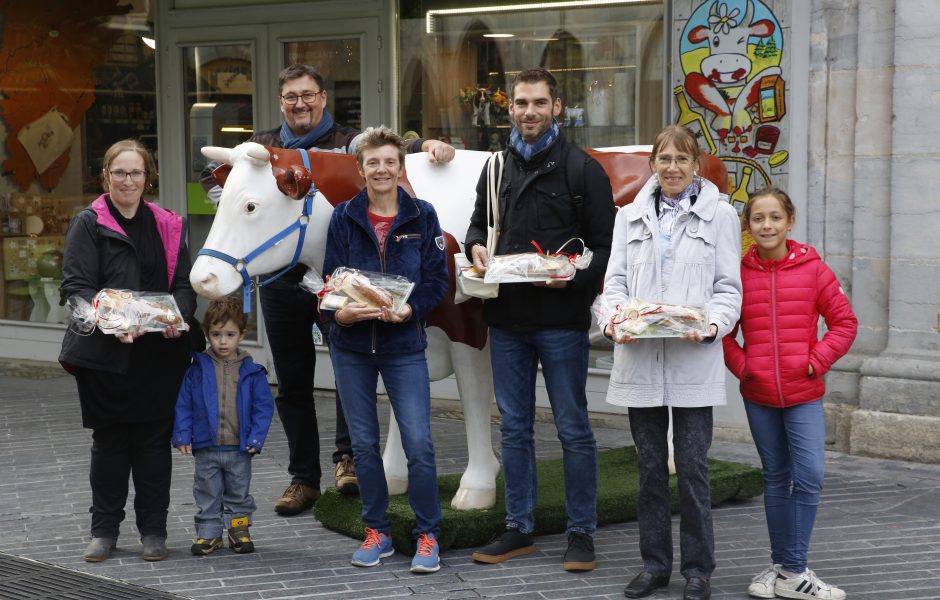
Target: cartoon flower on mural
[[721, 21]]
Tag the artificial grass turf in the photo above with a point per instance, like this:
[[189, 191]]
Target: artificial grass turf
[[618, 485]]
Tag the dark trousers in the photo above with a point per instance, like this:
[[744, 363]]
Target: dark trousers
[[691, 438], [138, 450], [289, 315]]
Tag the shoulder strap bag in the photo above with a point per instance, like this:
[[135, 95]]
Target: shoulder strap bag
[[469, 283]]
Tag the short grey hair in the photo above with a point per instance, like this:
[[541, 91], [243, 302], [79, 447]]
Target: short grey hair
[[376, 137]]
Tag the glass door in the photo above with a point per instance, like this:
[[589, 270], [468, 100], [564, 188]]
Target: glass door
[[218, 89]]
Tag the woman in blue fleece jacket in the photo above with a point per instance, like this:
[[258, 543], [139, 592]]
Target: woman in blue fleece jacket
[[383, 229]]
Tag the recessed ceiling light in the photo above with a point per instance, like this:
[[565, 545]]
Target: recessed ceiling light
[[499, 35]]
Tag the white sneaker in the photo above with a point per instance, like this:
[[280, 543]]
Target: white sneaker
[[762, 586], [808, 586]]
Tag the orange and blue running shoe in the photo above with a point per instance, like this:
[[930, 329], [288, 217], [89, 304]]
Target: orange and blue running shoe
[[376, 546], [427, 558]]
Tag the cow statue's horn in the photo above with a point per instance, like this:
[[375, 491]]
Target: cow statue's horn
[[217, 153], [258, 152]]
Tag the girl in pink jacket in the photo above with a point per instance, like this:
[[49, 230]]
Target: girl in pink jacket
[[781, 366]]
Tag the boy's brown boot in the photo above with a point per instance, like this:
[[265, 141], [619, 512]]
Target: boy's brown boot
[[239, 540]]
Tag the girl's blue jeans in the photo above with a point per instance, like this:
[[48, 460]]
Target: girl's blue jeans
[[791, 443]]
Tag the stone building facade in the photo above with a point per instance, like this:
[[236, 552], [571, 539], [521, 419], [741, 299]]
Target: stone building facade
[[874, 98]]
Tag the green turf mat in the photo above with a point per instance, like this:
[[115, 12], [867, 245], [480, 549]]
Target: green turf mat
[[616, 501]]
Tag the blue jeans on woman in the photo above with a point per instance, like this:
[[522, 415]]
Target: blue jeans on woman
[[564, 356], [220, 487], [791, 443], [409, 392]]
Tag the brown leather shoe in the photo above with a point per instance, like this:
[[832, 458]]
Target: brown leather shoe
[[297, 498], [346, 481]]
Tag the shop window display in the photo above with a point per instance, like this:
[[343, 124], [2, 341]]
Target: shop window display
[[456, 66], [60, 111]]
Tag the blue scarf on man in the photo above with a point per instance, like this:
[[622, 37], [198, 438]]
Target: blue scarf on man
[[527, 151], [292, 141]]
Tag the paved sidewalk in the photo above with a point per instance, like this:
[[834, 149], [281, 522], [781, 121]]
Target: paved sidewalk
[[877, 535]]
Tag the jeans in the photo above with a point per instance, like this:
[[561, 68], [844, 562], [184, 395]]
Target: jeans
[[564, 356], [790, 442], [289, 316], [220, 487], [409, 392], [140, 451], [691, 437]]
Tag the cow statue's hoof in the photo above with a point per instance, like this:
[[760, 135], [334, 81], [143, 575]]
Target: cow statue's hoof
[[469, 499], [396, 486]]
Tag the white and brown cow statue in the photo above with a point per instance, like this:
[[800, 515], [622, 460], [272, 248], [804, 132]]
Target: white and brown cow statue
[[263, 194]]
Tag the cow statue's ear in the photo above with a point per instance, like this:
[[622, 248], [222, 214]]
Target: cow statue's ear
[[293, 181], [220, 173]]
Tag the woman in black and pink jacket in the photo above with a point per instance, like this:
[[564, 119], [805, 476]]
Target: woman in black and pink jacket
[[127, 383]]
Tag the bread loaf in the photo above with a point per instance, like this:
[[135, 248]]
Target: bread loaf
[[362, 290]]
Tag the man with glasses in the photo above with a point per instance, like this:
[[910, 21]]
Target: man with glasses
[[290, 312]]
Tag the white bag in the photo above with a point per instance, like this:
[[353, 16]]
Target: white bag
[[470, 284]]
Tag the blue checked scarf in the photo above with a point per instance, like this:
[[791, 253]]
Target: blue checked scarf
[[527, 151]]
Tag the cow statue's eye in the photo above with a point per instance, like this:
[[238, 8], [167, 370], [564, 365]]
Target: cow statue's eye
[[250, 207]]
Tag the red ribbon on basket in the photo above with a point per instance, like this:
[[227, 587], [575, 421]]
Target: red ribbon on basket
[[639, 314], [571, 257], [326, 289]]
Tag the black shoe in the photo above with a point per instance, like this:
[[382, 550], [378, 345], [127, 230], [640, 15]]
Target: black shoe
[[697, 588], [509, 544], [580, 554], [645, 584]]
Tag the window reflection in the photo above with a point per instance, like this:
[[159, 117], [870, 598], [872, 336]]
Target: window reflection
[[455, 70]]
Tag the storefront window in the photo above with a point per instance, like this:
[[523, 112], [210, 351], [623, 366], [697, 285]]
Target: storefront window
[[456, 64], [77, 78], [458, 61]]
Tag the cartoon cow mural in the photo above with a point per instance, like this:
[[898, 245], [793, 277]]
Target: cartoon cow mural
[[264, 195], [728, 66]]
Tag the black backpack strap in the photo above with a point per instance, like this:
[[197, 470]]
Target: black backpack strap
[[575, 161]]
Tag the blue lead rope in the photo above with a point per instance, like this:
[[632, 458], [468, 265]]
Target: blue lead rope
[[241, 264]]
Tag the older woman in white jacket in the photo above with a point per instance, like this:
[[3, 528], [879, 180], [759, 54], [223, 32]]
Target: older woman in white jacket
[[679, 242]]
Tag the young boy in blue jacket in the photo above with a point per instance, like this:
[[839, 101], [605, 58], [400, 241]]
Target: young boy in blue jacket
[[223, 412]]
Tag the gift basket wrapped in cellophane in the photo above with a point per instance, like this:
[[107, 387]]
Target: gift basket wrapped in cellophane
[[378, 290], [537, 266], [645, 319], [115, 311]]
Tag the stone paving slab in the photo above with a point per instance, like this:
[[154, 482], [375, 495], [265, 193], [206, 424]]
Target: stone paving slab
[[877, 534]]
